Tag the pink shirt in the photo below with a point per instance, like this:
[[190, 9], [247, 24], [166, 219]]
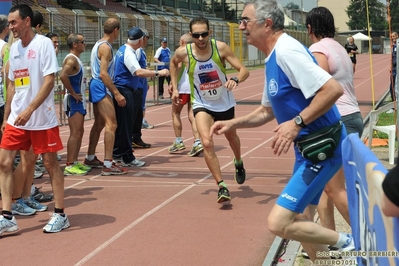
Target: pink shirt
[[341, 69]]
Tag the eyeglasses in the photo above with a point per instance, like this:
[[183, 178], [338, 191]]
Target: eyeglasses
[[56, 42], [82, 42], [245, 21], [197, 35]]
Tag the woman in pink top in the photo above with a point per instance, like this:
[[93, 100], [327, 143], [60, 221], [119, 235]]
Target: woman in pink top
[[332, 57]]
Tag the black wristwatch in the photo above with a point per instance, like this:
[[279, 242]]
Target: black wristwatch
[[156, 73], [299, 121], [236, 80]]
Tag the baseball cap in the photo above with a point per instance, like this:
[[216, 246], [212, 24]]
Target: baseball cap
[[135, 33], [164, 40]]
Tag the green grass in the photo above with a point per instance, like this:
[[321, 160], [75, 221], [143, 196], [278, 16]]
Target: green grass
[[385, 119]]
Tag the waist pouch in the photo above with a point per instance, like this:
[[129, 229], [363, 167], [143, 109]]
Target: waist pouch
[[321, 144]]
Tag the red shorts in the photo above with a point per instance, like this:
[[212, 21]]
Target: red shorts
[[42, 141], [184, 98]]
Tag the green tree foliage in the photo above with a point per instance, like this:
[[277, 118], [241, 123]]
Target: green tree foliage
[[357, 14], [394, 11], [291, 5], [227, 13]]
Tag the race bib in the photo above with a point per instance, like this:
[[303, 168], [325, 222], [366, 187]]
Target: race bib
[[211, 86], [21, 79], [350, 55]]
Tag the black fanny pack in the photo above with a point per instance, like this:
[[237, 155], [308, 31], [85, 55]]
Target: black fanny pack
[[320, 145]]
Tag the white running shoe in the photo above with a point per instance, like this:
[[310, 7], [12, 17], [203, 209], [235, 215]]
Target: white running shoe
[[56, 224]]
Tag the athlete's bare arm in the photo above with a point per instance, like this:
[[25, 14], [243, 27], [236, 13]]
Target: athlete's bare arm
[[179, 57], [105, 55], [227, 54], [70, 66]]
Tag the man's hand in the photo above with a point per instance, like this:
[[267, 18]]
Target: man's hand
[[230, 84], [175, 96], [120, 99], [285, 135], [220, 127], [77, 97], [23, 118], [163, 72]]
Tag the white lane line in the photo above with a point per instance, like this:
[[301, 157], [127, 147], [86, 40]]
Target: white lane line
[[146, 215]]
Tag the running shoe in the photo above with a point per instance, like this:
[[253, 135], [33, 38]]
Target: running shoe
[[196, 150], [37, 175], [34, 204], [8, 226], [239, 175], [176, 147], [74, 170], [113, 170], [83, 167], [223, 195], [95, 163], [135, 162], [145, 125], [40, 196], [140, 144], [20, 208], [57, 223]]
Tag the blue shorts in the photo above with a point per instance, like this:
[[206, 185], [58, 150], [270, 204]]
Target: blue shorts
[[308, 180], [97, 91], [71, 106]]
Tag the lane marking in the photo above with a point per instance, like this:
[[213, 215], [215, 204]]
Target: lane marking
[[155, 209]]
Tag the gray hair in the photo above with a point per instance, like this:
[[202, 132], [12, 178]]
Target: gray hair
[[268, 9], [72, 38], [3, 22]]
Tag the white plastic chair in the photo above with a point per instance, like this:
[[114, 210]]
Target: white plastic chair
[[390, 130]]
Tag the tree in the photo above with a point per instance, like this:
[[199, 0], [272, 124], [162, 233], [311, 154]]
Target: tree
[[394, 12], [357, 14], [224, 11], [291, 5]]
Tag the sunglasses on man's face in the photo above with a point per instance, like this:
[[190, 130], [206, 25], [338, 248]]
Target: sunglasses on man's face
[[197, 35]]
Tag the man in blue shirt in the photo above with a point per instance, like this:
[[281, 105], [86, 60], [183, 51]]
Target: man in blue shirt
[[127, 80], [162, 55]]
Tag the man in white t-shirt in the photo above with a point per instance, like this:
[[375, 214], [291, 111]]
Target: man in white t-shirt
[[32, 119]]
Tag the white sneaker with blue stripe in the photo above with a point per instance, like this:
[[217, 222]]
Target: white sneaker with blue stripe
[[56, 224]]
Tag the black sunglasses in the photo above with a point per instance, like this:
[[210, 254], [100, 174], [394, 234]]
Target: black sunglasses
[[197, 35]]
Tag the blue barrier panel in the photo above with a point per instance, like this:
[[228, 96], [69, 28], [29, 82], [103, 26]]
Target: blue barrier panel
[[376, 236]]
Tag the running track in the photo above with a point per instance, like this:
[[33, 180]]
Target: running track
[[165, 213]]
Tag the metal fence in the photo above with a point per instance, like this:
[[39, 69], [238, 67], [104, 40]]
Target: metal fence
[[90, 24]]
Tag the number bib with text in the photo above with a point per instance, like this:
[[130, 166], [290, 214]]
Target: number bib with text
[[21, 79], [210, 85]]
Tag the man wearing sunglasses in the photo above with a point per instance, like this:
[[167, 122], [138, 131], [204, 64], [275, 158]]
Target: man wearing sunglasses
[[211, 94]]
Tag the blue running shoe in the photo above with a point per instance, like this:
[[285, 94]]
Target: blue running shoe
[[34, 204], [20, 208]]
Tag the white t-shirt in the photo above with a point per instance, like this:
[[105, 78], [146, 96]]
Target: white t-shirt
[[28, 67], [340, 67]]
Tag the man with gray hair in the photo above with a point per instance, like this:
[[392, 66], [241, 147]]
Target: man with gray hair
[[126, 80], [303, 108]]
